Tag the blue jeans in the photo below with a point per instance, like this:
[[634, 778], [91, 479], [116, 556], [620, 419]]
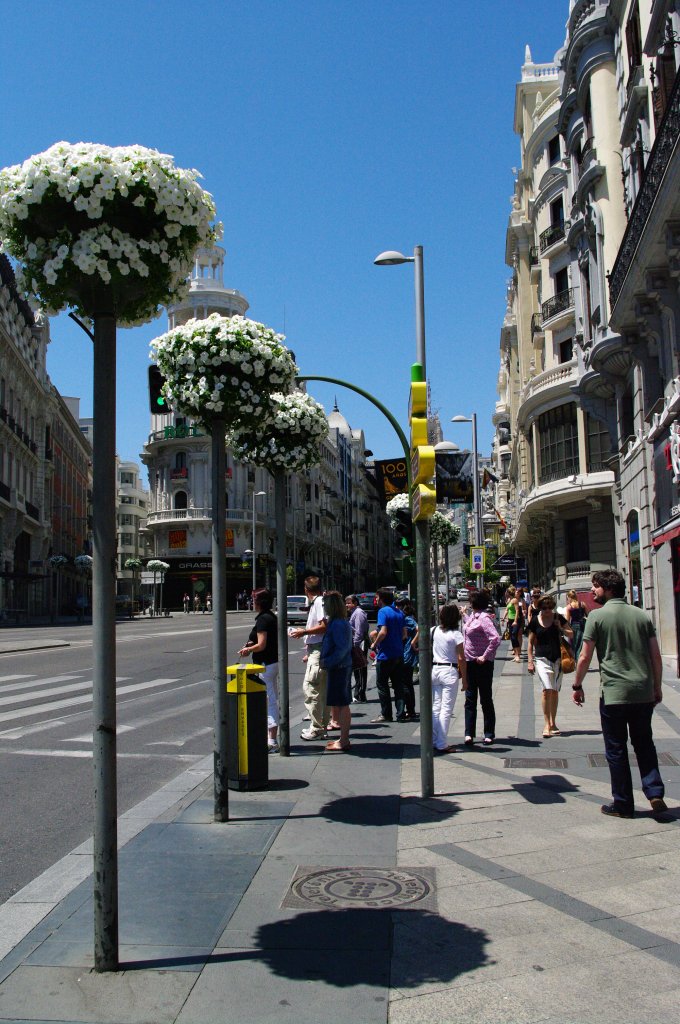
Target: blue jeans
[[618, 721]]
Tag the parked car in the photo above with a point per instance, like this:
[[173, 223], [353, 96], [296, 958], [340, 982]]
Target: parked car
[[296, 609], [462, 594], [367, 601]]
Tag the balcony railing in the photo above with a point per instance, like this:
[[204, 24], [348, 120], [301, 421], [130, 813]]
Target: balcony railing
[[533, 256], [557, 304], [551, 235], [173, 514], [659, 158]]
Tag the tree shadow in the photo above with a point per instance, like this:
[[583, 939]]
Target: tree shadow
[[545, 789], [379, 811], [348, 948]]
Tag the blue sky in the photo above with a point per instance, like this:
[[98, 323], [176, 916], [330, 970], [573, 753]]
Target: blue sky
[[327, 132]]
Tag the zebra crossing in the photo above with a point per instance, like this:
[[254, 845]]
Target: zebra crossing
[[61, 705]]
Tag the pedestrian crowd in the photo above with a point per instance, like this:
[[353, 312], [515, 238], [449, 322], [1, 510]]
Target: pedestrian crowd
[[339, 645]]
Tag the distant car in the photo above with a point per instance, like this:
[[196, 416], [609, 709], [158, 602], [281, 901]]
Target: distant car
[[462, 594], [296, 609], [367, 601]]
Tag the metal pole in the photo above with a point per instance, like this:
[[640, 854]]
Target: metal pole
[[420, 307], [422, 539], [280, 518], [254, 551], [422, 535], [219, 625], [479, 537], [104, 646]]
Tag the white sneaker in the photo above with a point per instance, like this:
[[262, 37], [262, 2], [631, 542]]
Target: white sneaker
[[312, 734], [272, 748]]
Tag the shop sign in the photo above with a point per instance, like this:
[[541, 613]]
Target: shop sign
[[177, 539]]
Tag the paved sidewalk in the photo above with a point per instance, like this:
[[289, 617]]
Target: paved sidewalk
[[507, 897]]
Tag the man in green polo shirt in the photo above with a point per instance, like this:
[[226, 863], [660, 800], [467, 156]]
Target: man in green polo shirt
[[630, 687]]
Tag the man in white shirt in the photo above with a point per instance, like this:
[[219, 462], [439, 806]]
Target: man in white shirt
[[314, 684]]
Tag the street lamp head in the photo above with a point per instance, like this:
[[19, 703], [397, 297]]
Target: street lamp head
[[461, 419], [258, 494], [392, 258]]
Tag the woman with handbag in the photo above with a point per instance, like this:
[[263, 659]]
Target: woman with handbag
[[544, 657]]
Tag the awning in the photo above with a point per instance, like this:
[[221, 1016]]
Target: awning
[[669, 534]]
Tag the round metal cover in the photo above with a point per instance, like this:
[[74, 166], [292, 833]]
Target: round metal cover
[[343, 888]]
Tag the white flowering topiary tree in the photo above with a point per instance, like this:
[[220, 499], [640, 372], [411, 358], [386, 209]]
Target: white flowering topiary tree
[[99, 228], [109, 233], [442, 531], [224, 368], [291, 440], [399, 503]]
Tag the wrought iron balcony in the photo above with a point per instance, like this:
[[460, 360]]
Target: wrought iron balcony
[[557, 304], [551, 235], [533, 256], [659, 158]]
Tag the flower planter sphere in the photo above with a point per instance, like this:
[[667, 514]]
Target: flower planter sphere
[[290, 440], [103, 230]]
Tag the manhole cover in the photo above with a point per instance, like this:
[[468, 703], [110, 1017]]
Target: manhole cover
[[666, 760], [535, 762], [352, 888]]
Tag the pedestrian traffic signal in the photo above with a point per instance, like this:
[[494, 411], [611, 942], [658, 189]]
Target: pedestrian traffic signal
[[404, 530], [158, 403]]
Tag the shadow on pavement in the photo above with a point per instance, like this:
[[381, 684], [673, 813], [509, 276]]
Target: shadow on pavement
[[348, 948], [386, 810], [545, 789]]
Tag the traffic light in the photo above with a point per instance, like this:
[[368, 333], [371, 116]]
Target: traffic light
[[158, 403], [404, 531], [403, 569]]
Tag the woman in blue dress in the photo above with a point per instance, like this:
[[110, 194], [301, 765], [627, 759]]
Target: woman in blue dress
[[336, 659]]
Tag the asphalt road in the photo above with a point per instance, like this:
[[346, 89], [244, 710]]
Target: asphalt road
[[165, 701]]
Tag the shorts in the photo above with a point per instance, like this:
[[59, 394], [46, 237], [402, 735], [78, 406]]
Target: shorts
[[549, 672]]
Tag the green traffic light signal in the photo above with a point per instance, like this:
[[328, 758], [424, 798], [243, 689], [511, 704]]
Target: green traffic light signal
[[158, 403]]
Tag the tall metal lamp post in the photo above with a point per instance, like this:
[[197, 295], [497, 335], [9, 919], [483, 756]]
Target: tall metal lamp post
[[256, 494], [479, 532], [422, 539]]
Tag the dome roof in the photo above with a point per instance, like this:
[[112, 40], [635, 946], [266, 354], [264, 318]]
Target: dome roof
[[336, 421]]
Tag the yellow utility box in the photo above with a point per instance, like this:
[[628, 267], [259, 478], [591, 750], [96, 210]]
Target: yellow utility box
[[247, 755]]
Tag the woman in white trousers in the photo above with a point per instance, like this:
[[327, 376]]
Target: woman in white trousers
[[448, 671]]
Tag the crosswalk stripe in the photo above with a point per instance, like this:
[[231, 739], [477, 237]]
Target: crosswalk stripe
[[33, 690], [54, 705], [9, 679], [18, 732]]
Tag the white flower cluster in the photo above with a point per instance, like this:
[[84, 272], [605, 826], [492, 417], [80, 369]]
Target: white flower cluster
[[155, 565], [133, 563], [83, 561], [292, 437], [124, 217], [443, 531], [399, 503], [227, 367], [57, 560]]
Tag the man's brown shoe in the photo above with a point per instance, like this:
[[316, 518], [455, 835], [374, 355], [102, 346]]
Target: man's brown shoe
[[658, 805]]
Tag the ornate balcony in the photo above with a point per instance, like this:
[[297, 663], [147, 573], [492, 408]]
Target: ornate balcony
[[550, 236], [557, 305], [175, 515], [657, 165]]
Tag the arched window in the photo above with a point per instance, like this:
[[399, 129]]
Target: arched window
[[181, 460], [181, 499]]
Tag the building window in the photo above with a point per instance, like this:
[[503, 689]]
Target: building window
[[558, 443], [181, 460], [554, 150], [634, 560], [126, 540], [127, 478], [576, 539], [126, 520], [599, 444], [634, 40], [181, 499], [567, 350]]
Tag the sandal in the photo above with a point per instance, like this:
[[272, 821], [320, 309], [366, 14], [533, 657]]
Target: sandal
[[547, 734], [336, 748]]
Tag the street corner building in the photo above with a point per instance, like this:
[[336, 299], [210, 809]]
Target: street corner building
[[587, 442]]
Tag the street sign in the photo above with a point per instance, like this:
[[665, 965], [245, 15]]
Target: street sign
[[505, 562], [146, 577], [477, 559], [422, 464], [423, 502]]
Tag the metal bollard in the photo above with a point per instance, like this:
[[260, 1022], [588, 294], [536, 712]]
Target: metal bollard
[[247, 754]]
